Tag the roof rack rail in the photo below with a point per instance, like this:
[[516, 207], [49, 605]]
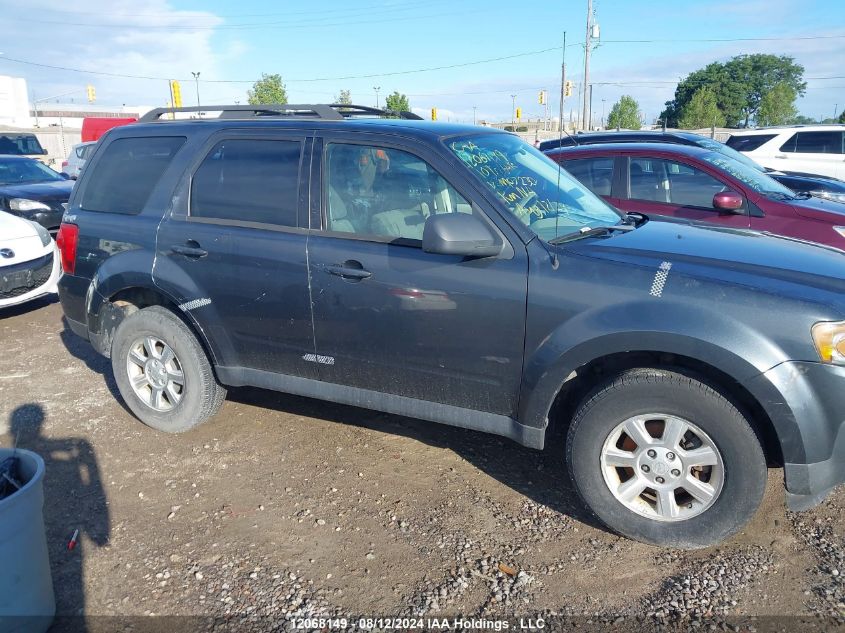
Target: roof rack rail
[[329, 112]]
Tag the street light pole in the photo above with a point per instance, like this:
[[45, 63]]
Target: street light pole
[[473, 114], [197, 80], [376, 88], [513, 113]]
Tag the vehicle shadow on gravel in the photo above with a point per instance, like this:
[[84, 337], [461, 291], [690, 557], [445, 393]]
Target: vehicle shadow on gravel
[[81, 349], [539, 475], [74, 499]]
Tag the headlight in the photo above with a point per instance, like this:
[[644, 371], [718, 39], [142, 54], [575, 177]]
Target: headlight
[[829, 338], [43, 233], [22, 204]]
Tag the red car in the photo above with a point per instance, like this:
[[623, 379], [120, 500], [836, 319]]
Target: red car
[[698, 184]]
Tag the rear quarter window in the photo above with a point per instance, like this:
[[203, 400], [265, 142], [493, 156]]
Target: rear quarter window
[[127, 172], [748, 143]]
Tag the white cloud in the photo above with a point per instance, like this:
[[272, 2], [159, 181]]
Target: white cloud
[[144, 39]]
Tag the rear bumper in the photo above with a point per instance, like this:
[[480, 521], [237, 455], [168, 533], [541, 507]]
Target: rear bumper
[[806, 403]]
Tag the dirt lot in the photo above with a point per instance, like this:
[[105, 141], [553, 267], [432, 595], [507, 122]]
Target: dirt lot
[[284, 506]]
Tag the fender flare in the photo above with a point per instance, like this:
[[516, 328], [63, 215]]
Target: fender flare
[[721, 343]]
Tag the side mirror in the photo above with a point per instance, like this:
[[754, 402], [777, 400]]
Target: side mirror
[[729, 201], [459, 234]]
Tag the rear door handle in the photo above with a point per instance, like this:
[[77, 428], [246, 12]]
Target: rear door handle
[[780, 156], [192, 249], [349, 269]]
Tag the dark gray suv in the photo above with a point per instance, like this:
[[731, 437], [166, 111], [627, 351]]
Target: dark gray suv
[[455, 274]]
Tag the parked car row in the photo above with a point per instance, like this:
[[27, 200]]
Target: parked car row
[[816, 185], [456, 274]]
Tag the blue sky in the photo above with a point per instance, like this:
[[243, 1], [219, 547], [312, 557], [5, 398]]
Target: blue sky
[[231, 44]]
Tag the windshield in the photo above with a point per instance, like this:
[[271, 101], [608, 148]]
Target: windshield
[[23, 170], [531, 186], [716, 146], [754, 178]]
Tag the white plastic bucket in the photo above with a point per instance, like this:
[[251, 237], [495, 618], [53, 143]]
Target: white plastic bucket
[[27, 603]]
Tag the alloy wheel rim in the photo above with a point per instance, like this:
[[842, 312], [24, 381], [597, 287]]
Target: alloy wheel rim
[[663, 467], [155, 373]]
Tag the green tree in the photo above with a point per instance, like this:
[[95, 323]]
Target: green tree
[[625, 113], [739, 85], [701, 111], [841, 118], [397, 102], [777, 107], [802, 120], [268, 89], [344, 96]]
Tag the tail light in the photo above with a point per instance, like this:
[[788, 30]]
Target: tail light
[[67, 239], [64, 163]]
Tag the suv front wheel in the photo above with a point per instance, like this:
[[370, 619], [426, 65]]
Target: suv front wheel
[[665, 459], [162, 371]]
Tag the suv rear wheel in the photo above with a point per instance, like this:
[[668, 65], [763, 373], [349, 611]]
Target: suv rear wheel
[[162, 371], [665, 459]]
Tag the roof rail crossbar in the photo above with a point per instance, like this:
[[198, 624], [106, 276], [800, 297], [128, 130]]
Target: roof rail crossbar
[[332, 112]]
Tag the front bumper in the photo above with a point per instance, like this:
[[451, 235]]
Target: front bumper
[[42, 279], [806, 403]]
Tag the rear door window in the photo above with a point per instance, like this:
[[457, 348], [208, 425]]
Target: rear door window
[[595, 173], [748, 143], [127, 172], [824, 142], [249, 181], [673, 183]]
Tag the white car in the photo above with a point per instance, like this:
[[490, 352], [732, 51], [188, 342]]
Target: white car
[[807, 149], [76, 159], [29, 261]]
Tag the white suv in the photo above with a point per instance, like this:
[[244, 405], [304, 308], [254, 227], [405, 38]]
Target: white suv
[[811, 149]]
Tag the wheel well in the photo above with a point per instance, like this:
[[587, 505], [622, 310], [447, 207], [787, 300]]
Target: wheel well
[[129, 300], [588, 376]]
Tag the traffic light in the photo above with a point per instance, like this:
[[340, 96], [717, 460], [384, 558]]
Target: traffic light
[[567, 89], [92, 94], [176, 93], [518, 114], [542, 99], [434, 114]]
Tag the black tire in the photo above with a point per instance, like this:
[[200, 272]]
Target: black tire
[[642, 391], [202, 394]]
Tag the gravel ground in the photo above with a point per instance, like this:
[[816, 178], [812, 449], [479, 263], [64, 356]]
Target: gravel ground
[[284, 507]]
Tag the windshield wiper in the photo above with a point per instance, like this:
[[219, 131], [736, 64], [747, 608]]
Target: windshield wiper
[[586, 231]]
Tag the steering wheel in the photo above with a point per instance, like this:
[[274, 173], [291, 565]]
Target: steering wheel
[[519, 208]]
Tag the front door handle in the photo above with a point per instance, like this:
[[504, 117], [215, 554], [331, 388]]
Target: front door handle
[[781, 156], [190, 249], [350, 269]]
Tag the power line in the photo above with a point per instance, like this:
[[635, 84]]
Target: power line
[[322, 12], [236, 81], [307, 23], [427, 69]]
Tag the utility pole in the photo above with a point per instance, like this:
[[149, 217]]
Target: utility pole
[[587, 47], [376, 88], [474, 108], [562, 84], [835, 110]]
